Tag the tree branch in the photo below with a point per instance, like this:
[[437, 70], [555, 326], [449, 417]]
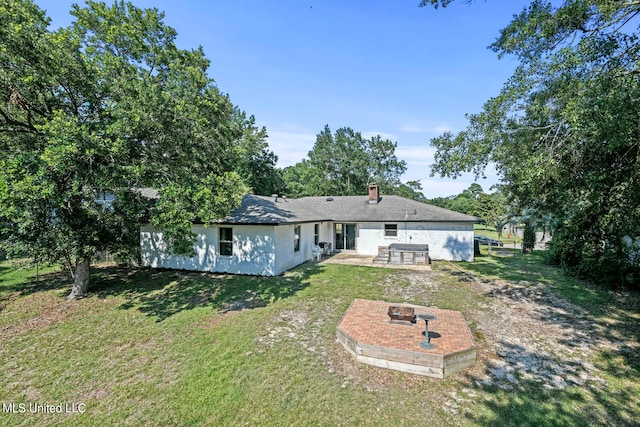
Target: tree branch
[[8, 120]]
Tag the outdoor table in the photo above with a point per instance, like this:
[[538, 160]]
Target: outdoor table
[[426, 344]]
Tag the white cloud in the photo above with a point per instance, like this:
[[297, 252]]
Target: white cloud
[[413, 129], [419, 156], [290, 147], [291, 143], [442, 129], [434, 187], [444, 187], [383, 135], [438, 129]]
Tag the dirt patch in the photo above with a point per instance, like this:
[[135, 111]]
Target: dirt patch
[[534, 335], [412, 286], [289, 324], [300, 328], [295, 326], [46, 309]]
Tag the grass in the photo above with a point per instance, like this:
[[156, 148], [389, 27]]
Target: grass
[[614, 316], [509, 240], [153, 347]]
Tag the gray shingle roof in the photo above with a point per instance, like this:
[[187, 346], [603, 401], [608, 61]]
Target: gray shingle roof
[[263, 210]]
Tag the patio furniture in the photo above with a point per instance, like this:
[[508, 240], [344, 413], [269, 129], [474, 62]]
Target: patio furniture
[[403, 253], [317, 252]]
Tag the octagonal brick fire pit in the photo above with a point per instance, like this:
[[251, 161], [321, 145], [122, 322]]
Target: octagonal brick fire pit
[[371, 334]]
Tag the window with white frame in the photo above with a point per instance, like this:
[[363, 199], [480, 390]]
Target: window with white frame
[[316, 234], [296, 238], [226, 241], [390, 230]]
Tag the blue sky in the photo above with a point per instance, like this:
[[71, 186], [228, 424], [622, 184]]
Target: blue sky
[[379, 67]]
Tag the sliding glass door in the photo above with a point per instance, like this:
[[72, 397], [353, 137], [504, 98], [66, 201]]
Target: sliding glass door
[[345, 236]]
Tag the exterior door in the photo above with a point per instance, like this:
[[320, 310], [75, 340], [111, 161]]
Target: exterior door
[[350, 237], [345, 237]]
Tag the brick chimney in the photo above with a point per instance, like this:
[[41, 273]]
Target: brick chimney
[[374, 194]]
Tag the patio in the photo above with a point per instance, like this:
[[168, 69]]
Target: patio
[[367, 332], [351, 258]]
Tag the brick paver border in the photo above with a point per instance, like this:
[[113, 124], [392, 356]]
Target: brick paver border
[[367, 332]]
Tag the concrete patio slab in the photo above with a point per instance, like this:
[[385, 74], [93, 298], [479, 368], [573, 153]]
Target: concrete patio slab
[[350, 258]]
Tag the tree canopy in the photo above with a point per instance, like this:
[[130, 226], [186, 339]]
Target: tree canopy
[[344, 163], [564, 132], [92, 113]]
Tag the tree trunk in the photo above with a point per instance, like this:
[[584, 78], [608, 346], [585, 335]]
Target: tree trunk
[[528, 238], [81, 279]]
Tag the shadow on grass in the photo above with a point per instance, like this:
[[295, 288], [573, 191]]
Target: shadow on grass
[[547, 398], [532, 405], [18, 278], [163, 293], [601, 303], [606, 320], [510, 264], [610, 315]]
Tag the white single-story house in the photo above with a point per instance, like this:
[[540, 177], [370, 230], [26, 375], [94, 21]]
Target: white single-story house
[[268, 235]]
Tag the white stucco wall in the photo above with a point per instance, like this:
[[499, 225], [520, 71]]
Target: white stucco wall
[[447, 241], [269, 250], [285, 256], [284, 249], [253, 251]]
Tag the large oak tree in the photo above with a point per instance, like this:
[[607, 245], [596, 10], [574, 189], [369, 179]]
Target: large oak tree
[[92, 113]]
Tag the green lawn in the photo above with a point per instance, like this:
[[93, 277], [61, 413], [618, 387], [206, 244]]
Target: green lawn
[[509, 240], [150, 347]]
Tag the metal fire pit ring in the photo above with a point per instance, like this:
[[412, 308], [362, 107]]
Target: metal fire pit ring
[[406, 314]]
